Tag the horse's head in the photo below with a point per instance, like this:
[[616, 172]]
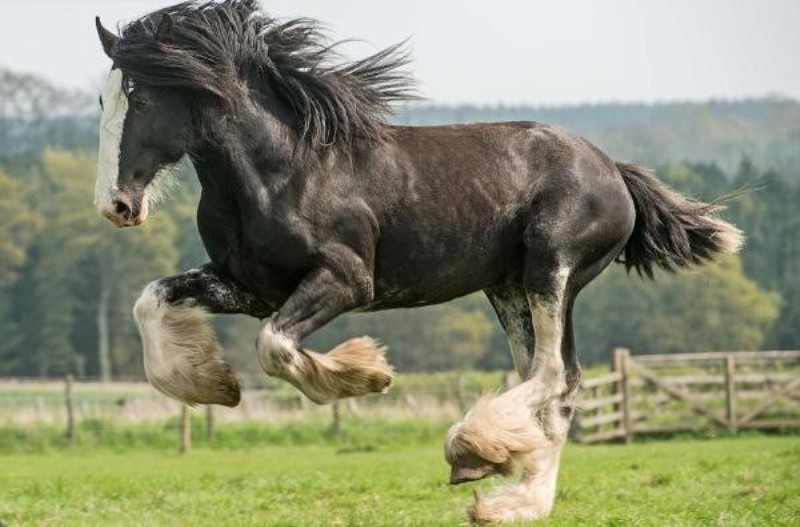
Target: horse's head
[[144, 132]]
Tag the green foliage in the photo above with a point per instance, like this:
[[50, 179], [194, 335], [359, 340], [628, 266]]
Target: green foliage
[[771, 218], [18, 224], [72, 260], [356, 434], [714, 307]]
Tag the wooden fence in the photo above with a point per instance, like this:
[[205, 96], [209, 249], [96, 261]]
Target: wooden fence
[[649, 394], [435, 397], [640, 395]]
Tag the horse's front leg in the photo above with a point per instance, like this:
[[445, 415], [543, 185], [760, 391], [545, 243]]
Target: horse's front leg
[[355, 367], [181, 353]]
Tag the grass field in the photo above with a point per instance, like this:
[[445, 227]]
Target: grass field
[[734, 481]]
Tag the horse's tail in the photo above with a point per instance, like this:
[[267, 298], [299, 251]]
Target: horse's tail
[[672, 230]]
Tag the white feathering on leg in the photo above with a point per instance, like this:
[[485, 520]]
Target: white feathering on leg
[[181, 353]]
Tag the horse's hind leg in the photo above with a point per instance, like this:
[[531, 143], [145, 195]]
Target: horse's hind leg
[[527, 425], [468, 450], [534, 416], [181, 353], [511, 305]]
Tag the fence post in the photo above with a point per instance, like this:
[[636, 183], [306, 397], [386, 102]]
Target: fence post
[[336, 423], [730, 392], [461, 395], [70, 410], [621, 358], [186, 429], [209, 422]]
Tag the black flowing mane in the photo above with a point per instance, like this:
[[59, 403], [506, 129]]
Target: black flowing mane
[[217, 47]]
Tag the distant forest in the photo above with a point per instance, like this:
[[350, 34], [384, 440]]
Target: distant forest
[[68, 279]]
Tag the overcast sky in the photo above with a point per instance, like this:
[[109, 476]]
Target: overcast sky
[[491, 51]]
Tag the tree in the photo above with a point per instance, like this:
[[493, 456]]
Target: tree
[[34, 113], [769, 216], [715, 307], [18, 224], [85, 269]]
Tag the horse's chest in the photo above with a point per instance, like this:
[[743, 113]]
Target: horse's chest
[[267, 258]]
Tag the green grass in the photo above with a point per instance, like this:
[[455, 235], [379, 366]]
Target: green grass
[[752, 480], [356, 434]]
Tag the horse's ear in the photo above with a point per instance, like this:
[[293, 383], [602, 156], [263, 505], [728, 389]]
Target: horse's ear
[[166, 28], [107, 38]]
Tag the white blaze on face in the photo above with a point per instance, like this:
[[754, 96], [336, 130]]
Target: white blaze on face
[[115, 108]]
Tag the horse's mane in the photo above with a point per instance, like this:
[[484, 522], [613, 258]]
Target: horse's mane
[[216, 46]]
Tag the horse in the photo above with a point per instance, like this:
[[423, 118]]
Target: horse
[[314, 205]]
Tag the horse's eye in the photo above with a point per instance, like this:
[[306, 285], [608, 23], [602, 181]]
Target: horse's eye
[[100, 100]]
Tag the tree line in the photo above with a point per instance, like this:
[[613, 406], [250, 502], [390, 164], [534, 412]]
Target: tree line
[[68, 278]]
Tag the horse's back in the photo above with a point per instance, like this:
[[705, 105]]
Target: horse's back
[[462, 199]]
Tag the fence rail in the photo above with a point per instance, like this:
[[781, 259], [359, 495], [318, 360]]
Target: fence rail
[[689, 392]]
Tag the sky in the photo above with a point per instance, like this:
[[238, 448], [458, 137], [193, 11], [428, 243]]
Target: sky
[[541, 52]]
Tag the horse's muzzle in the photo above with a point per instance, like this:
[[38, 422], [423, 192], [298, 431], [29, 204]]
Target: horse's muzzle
[[126, 211]]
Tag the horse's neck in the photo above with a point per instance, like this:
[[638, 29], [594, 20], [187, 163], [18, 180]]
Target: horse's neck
[[248, 163]]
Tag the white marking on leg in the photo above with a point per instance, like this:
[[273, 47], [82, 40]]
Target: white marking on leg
[[277, 353], [149, 314], [112, 122], [496, 428], [547, 370], [181, 353], [523, 425], [354, 367]]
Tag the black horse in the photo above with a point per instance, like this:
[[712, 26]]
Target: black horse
[[313, 206]]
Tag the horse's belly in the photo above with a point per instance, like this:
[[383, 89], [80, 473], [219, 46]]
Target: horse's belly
[[423, 275]]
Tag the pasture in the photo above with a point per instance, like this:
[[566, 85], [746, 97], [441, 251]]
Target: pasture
[[740, 480]]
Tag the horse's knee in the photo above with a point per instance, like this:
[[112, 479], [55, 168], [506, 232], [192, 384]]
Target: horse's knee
[[181, 353]]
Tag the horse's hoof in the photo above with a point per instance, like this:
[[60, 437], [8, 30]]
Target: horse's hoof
[[223, 387], [213, 382], [471, 467]]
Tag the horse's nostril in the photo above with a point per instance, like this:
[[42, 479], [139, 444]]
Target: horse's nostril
[[122, 209]]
